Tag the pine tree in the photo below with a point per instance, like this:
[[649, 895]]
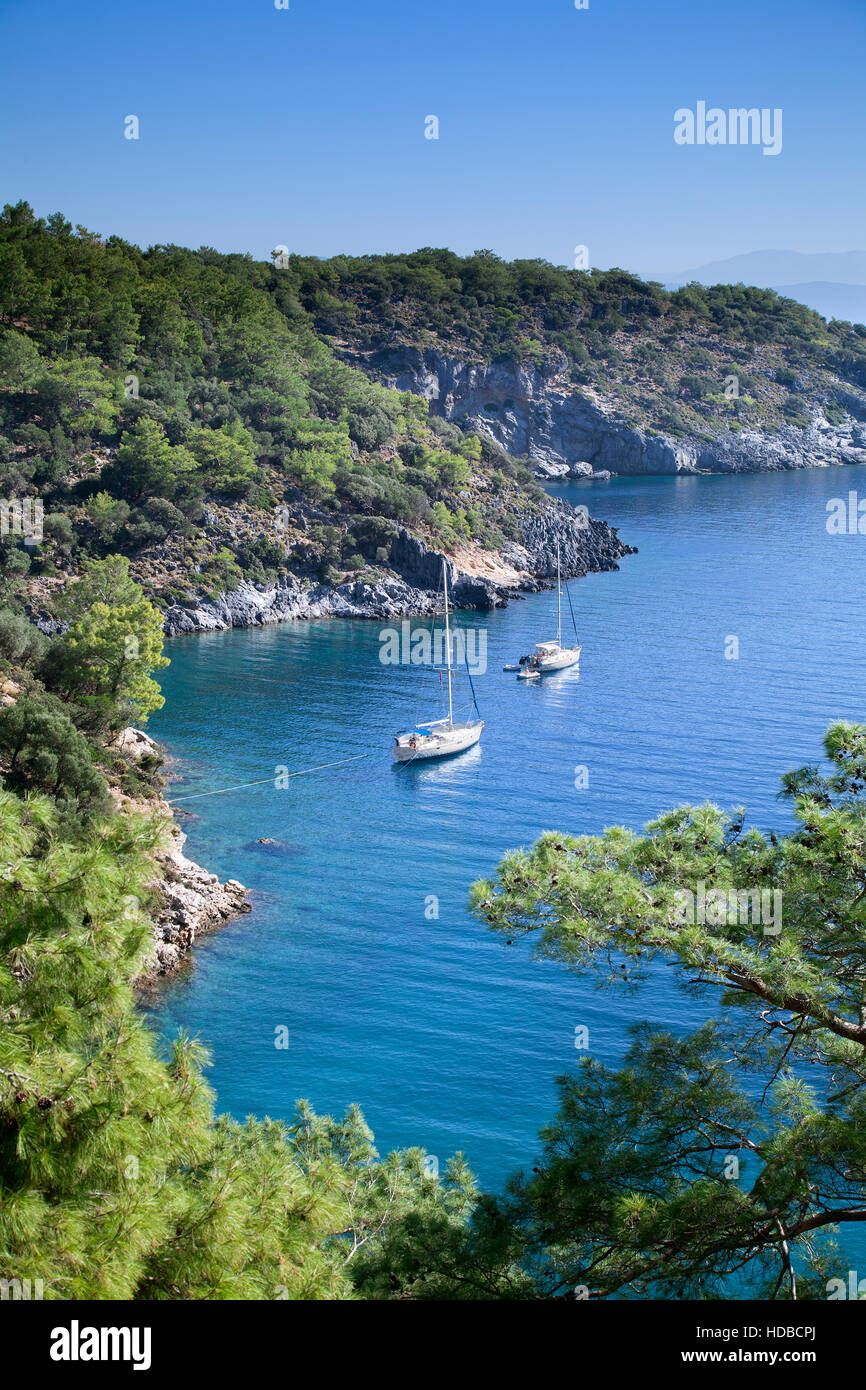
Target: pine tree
[[116, 1178], [720, 1163]]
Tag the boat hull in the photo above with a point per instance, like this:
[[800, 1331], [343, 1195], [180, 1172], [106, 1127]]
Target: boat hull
[[569, 656], [558, 661], [439, 743]]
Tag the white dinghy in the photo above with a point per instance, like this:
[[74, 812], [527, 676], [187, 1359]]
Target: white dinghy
[[438, 738]]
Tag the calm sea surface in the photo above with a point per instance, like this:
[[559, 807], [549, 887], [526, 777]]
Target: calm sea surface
[[444, 1036]]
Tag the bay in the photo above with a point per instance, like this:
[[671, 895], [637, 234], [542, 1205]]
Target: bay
[[446, 1037]]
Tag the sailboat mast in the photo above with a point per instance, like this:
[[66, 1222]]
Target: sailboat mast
[[558, 600], [447, 645]]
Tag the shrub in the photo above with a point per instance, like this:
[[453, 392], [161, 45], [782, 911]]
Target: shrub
[[43, 751], [21, 644]]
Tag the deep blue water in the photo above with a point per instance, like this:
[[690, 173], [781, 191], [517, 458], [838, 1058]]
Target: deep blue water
[[446, 1037]]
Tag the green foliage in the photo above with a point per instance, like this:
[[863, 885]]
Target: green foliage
[[107, 515], [226, 457], [147, 465], [452, 524], [108, 657], [20, 360], [75, 394], [222, 573], [322, 447], [21, 644], [114, 1181], [636, 1195], [406, 1230], [41, 750], [154, 521], [105, 581], [113, 643]]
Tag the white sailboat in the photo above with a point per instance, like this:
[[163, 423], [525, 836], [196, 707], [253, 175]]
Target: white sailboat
[[550, 656], [438, 738]]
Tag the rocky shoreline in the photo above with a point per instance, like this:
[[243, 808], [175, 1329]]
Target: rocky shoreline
[[478, 579], [534, 411], [193, 901]]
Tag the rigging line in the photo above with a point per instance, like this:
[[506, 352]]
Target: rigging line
[[471, 685], [216, 675], [302, 772], [458, 622], [570, 609], [409, 761]]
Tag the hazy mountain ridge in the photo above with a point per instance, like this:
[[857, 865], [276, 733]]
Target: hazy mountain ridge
[[827, 281]]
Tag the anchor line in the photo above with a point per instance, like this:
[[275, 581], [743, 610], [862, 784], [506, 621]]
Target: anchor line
[[302, 772]]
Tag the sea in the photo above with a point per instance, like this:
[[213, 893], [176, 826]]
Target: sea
[[713, 661]]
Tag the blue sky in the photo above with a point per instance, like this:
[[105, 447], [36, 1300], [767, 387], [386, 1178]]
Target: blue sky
[[305, 126]]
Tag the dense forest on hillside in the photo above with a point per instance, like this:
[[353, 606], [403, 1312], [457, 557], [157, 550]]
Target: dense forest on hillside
[[661, 357], [166, 404], [143, 395], [138, 387]]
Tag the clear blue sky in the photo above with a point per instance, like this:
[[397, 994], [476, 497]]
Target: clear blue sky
[[306, 126]]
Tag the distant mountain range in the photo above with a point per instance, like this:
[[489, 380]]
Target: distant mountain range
[[832, 282]]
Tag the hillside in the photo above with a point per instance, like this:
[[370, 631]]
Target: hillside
[[588, 371], [180, 408], [305, 437]]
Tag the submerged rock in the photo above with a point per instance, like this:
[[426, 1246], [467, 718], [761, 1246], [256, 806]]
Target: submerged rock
[[269, 846]]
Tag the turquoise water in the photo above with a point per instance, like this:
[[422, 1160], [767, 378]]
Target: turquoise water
[[445, 1036]]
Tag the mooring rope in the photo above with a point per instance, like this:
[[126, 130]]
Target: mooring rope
[[302, 772]]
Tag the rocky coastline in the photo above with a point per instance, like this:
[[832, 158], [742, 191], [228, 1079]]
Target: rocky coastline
[[478, 579], [534, 411], [192, 902]]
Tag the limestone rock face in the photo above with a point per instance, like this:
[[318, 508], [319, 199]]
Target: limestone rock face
[[135, 744], [193, 901], [255, 605], [477, 580], [535, 411]]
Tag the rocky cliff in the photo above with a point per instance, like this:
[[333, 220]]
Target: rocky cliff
[[191, 901], [477, 578], [534, 410]]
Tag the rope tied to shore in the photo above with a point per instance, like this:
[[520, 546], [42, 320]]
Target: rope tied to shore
[[241, 786]]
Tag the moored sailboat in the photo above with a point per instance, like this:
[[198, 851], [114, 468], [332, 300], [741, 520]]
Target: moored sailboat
[[439, 738], [551, 656]]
